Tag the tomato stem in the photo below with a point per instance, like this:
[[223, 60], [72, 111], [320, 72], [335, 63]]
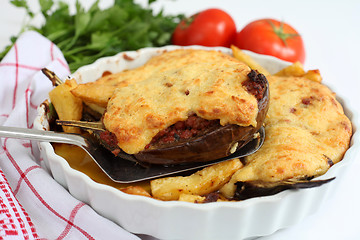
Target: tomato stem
[[279, 31], [188, 21]]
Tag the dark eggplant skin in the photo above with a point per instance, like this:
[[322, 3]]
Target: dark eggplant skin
[[214, 143], [246, 190]]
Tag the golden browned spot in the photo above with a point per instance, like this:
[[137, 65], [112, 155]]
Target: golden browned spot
[[315, 90], [136, 190], [317, 71], [196, 81], [289, 148], [219, 82], [106, 73], [123, 83], [125, 135], [117, 111], [216, 110], [237, 99], [346, 126], [153, 122], [127, 57], [168, 84], [201, 111], [298, 165], [109, 79], [239, 119], [334, 102]]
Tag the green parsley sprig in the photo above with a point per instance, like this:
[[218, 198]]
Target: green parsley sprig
[[90, 34]]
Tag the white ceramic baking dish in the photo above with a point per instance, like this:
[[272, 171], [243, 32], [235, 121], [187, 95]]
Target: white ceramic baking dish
[[181, 220]]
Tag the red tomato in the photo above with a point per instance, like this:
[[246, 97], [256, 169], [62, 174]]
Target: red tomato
[[271, 37], [212, 27]]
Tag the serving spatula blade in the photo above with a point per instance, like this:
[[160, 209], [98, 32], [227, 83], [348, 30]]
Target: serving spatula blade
[[124, 168]]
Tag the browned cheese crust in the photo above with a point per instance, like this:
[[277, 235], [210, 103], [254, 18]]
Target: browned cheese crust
[[306, 133], [100, 91], [206, 83]]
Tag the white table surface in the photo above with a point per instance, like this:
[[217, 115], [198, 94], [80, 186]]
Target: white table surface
[[331, 33]]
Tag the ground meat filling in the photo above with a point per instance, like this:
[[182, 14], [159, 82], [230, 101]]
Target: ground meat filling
[[191, 127], [109, 140], [256, 84]]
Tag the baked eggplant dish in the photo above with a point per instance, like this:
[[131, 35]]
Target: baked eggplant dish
[[191, 105], [183, 106]]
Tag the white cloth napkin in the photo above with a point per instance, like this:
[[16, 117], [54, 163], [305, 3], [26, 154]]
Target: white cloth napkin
[[32, 204]]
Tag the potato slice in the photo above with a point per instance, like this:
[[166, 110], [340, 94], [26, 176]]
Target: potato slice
[[136, 190], [184, 197], [205, 181], [313, 75], [67, 106], [297, 70], [95, 93], [243, 57]]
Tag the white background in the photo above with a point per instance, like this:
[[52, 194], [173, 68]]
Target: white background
[[331, 33]]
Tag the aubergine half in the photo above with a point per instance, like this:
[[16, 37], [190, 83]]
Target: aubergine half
[[197, 139]]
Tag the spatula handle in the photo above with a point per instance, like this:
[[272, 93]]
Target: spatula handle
[[39, 135]]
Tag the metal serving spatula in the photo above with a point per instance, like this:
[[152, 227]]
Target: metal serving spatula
[[124, 169]]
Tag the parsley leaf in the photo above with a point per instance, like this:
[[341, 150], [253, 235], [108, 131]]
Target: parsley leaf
[[45, 6], [23, 4], [90, 34]]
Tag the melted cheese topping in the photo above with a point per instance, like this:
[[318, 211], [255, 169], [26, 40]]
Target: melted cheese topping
[[210, 89], [306, 132], [100, 91]]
